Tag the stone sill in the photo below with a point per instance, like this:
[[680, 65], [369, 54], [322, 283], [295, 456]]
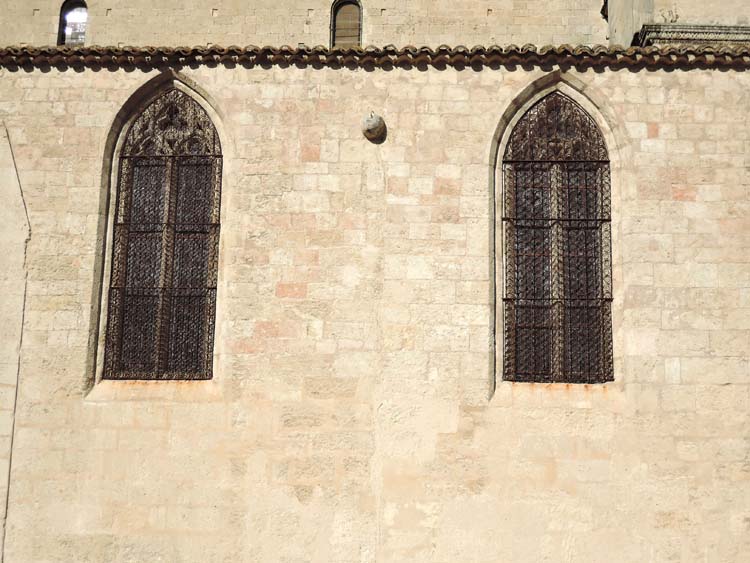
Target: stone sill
[[108, 390]]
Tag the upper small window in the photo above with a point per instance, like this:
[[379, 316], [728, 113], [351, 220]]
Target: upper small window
[[73, 17], [346, 24]]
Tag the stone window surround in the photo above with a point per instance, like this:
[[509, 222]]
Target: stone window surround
[[98, 389], [611, 128]]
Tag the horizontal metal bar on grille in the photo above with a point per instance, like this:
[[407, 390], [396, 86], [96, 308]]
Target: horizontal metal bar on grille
[[549, 221], [556, 161], [174, 157]]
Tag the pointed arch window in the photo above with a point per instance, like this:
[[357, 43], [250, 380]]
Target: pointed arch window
[[73, 19], [346, 24], [162, 294], [556, 223]]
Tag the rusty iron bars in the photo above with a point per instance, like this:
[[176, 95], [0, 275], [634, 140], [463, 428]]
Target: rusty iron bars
[[162, 294], [556, 228]]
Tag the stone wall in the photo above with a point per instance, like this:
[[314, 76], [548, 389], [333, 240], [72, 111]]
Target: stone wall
[[14, 227], [727, 12], [290, 22], [352, 415]]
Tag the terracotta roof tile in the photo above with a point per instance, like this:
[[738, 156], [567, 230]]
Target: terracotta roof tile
[[598, 56]]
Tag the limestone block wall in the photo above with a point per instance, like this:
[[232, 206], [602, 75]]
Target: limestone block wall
[[290, 22], [626, 17], [729, 12], [14, 228], [352, 415]]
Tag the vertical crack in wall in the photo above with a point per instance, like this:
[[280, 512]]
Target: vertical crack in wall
[[27, 224]]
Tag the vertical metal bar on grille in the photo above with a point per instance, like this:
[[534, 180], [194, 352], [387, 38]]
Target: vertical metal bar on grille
[[162, 295], [556, 226]]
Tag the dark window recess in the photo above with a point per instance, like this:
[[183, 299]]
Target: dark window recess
[[72, 26], [556, 229], [162, 295], [346, 24]]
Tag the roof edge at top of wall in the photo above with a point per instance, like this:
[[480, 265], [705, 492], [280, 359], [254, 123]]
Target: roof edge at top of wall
[[563, 56]]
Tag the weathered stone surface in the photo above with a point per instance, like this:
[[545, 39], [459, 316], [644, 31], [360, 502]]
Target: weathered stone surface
[[14, 229], [175, 22], [352, 415]]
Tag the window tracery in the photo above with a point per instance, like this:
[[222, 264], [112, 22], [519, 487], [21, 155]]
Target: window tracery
[[162, 294]]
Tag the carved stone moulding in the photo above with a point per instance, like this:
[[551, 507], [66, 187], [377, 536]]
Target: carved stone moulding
[[683, 35]]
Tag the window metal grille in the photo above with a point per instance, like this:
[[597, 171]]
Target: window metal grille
[[162, 294], [556, 227]]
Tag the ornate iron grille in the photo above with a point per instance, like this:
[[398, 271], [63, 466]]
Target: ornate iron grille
[[556, 224], [162, 294]]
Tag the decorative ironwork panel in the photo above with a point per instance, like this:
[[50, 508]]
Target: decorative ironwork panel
[[172, 125], [162, 295], [556, 229], [556, 128]]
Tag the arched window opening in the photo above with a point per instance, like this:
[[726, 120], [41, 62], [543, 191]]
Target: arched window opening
[[162, 291], [556, 228], [72, 28], [346, 24]]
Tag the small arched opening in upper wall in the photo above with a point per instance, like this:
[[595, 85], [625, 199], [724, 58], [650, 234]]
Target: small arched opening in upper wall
[[74, 16], [346, 23]]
